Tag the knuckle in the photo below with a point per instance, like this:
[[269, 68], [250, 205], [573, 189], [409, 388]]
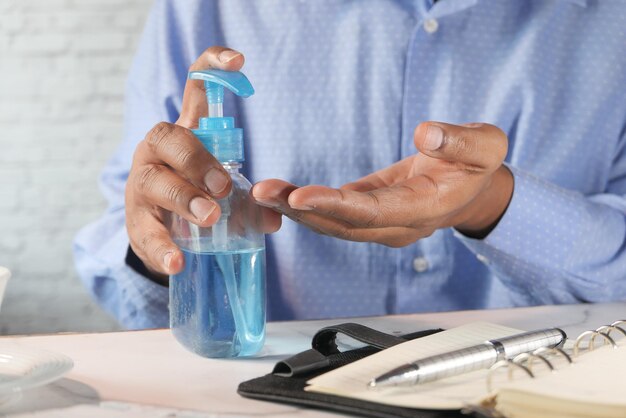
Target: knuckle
[[345, 232], [153, 245], [147, 241], [147, 178], [465, 145], [373, 217], [185, 157], [158, 134], [175, 193]]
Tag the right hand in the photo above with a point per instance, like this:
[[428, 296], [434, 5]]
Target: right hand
[[173, 172]]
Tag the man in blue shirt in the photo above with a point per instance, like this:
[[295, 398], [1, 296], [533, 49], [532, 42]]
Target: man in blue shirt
[[345, 91]]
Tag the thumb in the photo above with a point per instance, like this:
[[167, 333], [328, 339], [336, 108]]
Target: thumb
[[194, 98], [480, 145]]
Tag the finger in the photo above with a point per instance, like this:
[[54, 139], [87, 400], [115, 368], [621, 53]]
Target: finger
[[272, 193], [333, 227], [395, 237], [157, 185], [392, 236], [318, 223], [151, 242], [479, 146], [275, 194], [388, 176], [194, 99], [271, 220], [399, 205], [179, 148]]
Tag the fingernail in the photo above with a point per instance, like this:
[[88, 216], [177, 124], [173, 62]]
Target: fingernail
[[434, 138], [473, 125], [215, 181], [227, 56], [167, 258], [300, 207], [201, 208]]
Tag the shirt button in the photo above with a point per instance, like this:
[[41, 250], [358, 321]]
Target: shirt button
[[482, 258], [431, 25], [420, 264]]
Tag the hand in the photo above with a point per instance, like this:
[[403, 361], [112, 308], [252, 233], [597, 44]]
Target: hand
[[456, 180], [173, 172]]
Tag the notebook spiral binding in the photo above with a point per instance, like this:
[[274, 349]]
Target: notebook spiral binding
[[524, 362]]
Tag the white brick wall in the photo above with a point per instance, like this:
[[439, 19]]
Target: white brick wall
[[63, 64]]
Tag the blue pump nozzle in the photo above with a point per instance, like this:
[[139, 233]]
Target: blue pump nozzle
[[216, 132]]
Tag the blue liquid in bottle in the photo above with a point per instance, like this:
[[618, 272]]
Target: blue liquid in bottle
[[217, 306], [217, 303]]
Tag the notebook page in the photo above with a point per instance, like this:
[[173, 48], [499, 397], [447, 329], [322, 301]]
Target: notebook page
[[451, 393], [592, 386]]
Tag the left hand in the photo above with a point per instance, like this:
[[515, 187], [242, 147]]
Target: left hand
[[456, 180]]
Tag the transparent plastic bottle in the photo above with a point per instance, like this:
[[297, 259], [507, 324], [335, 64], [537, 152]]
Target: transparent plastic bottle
[[218, 301]]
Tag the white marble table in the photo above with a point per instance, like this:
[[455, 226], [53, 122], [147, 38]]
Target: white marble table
[[147, 374]]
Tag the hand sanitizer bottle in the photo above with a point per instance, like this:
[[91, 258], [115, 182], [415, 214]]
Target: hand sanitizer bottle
[[217, 303]]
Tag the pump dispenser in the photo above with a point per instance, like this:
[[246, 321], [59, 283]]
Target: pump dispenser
[[217, 303], [217, 133]]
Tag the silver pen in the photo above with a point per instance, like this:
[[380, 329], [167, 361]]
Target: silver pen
[[468, 359]]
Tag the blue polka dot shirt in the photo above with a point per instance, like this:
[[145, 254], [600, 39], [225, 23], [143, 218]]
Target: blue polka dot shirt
[[341, 86]]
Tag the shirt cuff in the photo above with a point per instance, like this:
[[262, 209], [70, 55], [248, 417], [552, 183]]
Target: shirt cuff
[[134, 300], [135, 263], [548, 230]]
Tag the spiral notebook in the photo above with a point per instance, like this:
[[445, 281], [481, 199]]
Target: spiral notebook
[[591, 386]]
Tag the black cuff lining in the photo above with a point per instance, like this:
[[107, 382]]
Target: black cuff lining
[[139, 267]]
